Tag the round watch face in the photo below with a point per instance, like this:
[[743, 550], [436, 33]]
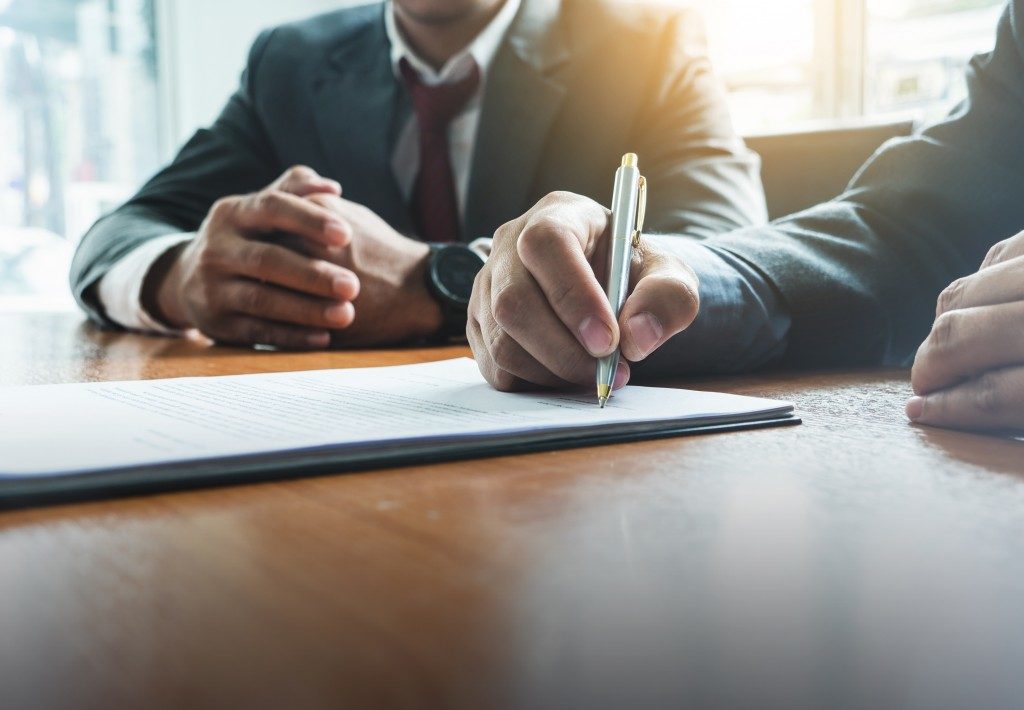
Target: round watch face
[[454, 270]]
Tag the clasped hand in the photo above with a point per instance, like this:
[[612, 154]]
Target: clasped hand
[[969, 373], [296, 266], [539, 315]]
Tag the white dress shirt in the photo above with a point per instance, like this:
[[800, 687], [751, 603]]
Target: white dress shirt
[[120, 289]]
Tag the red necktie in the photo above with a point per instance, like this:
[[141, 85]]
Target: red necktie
[[434, 203]]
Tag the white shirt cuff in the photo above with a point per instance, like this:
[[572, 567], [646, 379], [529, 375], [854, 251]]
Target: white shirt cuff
[[482, 246], [120, 289]]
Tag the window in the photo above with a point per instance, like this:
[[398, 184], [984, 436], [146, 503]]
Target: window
[[788, 62], [916, 51], [78, 130]]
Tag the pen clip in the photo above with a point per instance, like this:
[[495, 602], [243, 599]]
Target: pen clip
[[641, 211]]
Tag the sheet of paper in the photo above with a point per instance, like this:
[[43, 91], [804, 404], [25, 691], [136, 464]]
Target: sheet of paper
[[63, 429]]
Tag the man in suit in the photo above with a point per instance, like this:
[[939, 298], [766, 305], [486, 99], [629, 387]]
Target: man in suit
[[417, 127], [849, 283]]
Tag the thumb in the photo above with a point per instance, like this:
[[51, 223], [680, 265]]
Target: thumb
[[302, 181], [663, 303]]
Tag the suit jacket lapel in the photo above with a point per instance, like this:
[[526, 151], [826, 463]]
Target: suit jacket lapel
[[357, 109], [522, 98]]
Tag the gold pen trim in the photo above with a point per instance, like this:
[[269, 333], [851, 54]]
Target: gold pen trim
[[641, 211]]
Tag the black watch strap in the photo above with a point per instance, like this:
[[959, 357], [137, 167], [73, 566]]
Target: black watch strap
[[450, 289]]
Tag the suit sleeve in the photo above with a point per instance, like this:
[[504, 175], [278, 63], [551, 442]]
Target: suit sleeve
[[859, 275], [233, 156], [703, 179]]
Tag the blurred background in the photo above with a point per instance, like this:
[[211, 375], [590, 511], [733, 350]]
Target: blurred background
[[96, 94]]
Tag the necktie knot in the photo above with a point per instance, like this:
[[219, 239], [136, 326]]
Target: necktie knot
[[436, 106]]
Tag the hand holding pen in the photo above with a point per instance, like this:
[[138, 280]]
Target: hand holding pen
[[540, 316]]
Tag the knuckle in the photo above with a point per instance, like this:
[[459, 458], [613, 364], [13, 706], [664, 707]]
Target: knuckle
[[505, 235], [270, 202], [548, 200], [531, 239], [944, 332], [546, 230], [674, 287], [504, 350], [503, 381], [222, 208], [506, 308], [540, 236], [506, 229], [670, 273], [951, 297], [996, 253], [208, 259], [556, 197], [322, 273], [300, 172]]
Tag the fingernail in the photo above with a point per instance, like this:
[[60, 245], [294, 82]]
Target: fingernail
[[596, 336], [338, 313], [343, 286], [336, 229], [646, 332], [319, 340], [915, 408]]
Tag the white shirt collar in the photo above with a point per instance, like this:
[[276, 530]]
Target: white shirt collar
[[482, 50]]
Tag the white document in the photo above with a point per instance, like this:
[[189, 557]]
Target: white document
[[69, 430]]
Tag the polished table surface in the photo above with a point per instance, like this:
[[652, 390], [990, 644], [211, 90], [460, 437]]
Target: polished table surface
[[855, 561]]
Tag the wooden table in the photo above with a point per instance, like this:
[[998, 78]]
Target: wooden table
[[856, 561]]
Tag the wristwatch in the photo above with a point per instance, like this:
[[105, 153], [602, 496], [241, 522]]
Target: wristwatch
[[450, 275]]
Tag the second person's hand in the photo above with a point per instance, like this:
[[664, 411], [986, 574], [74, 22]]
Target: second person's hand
[[539, 315], [969, 373], [394, 304], [237, 282]]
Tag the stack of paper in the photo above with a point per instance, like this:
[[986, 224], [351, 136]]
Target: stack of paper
[[68, 438]]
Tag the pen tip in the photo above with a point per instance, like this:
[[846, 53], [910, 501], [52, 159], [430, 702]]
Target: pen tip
[[602, 401]]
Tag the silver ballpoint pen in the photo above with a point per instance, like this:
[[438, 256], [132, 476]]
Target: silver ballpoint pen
[[629, 203]]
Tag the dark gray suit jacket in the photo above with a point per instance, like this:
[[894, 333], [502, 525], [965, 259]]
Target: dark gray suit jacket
[[576, 84], [860, 275]]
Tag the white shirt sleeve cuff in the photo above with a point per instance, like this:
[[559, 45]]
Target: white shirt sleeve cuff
[[482, 246], [120, 289]]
